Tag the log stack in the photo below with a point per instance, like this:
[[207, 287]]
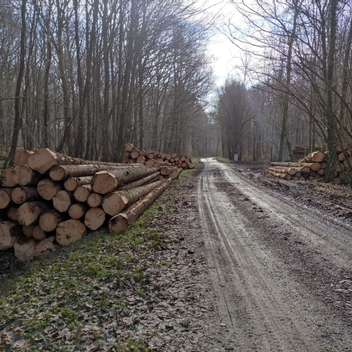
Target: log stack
[[49, 199], [169, 164], [312, 166]]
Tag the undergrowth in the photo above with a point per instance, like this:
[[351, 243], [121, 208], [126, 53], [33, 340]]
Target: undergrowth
[[76, 287]]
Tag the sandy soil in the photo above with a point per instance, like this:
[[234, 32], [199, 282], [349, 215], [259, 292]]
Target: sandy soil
[[279, 259], [251, 263]]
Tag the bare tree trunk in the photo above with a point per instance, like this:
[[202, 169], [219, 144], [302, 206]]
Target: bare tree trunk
[[17, 117]]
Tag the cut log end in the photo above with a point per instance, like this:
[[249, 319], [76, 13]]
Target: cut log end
[[118, 224]]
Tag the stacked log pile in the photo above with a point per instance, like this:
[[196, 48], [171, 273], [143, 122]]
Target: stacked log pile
[[312, 166], [300, 151], [49, 199], [169, 164]]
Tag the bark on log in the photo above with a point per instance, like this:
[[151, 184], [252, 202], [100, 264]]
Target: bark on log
[[48, 189], [10, 231], [28, 213], [94, 218], [73, 182], [19, 195], [122, 221], [77, 210], [22, 156], [45, 247], [288, 163], [70, 231], [49, 220], [63, 172], [94, 200], [142, 181], [44, 159], [23, 175], [24, 249], [82, 193], [5, 197], [115, 202], [104, 182], [7, 177]]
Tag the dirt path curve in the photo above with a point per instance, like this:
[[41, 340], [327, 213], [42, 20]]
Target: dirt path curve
[[281, 272]]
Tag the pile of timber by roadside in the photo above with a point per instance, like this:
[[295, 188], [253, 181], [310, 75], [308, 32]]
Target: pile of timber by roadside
[[312, 166], [48, 199], [168, 164]]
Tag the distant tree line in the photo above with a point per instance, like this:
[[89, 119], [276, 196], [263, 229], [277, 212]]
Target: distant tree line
[[301, 68], [84, 77]]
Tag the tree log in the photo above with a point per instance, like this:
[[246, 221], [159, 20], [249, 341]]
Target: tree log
[[12, 213], [5, 197], [22, 156], [82, 193], [315, 157], [38, 233], [140, 159], [165, 170], [23, 175], [45, 247], [104, 182], [10, 231], [94, 200], [25, 248], [7, 177], [62, 200], [48, 189], [122, 221], [70, 231], [28, 213], [73, 182], [63, 172], [49, 220], [44, 159], [115, 202], [129, 147], [142, 181], [28, 230], [289, 163], [175, 173], [77, 210], [94, 218], [19, 195], [134, 154]]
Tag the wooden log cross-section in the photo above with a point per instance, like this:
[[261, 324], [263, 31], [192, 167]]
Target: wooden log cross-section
[[104, 182]]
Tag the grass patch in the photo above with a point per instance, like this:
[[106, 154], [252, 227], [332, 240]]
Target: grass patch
[[223, 160], [186, 173]]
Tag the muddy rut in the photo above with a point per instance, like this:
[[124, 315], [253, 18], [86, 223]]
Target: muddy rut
[[281, 272]]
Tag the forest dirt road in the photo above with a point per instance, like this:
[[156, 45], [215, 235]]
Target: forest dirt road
[[281, 271]]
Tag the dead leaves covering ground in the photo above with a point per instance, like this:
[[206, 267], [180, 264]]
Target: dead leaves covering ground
[[139, 291]]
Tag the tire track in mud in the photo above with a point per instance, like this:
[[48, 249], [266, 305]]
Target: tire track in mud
[[261, 306]]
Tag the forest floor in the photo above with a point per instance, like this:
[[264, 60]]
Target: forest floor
[[228, 259]]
